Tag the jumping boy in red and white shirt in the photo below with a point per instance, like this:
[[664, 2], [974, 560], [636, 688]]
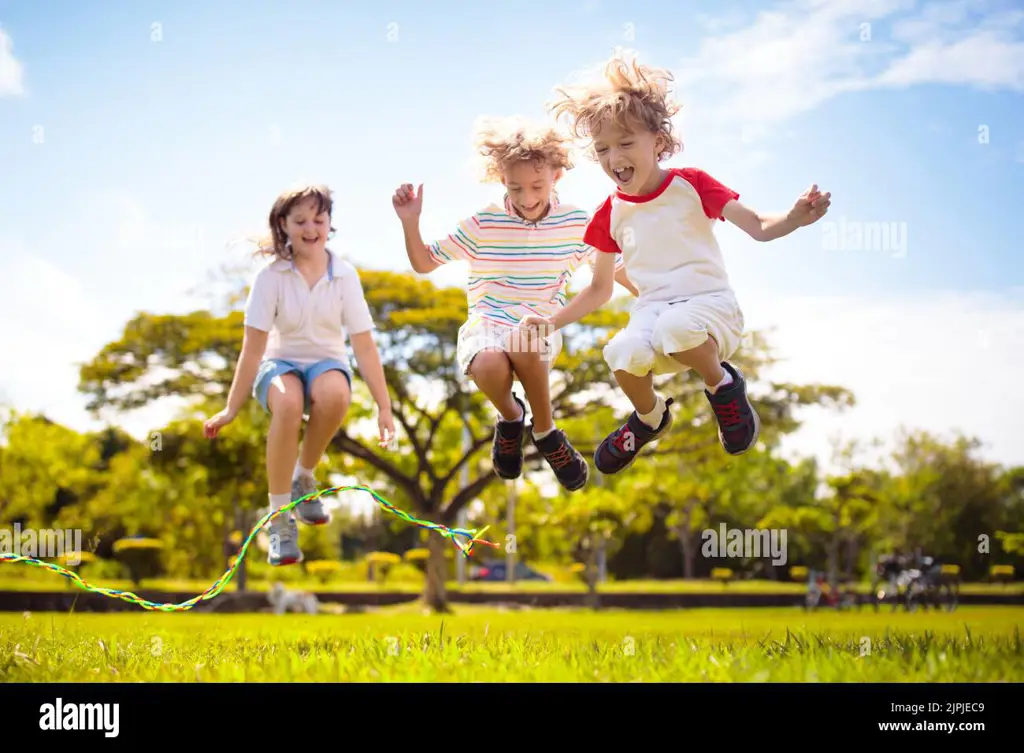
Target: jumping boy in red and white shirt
[[661, 221]]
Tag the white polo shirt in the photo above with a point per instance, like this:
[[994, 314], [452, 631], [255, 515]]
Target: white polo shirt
[[667, 237], [306, 324]]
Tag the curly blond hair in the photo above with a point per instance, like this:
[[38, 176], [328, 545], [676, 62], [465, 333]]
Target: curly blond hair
[[502, 142], [626, 93]]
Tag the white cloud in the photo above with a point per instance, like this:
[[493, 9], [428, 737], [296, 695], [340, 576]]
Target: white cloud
[[791, 60], [12, 73], [937, 361], [53, 326]]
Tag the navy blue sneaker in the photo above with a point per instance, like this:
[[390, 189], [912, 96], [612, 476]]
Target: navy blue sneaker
[[569, 466], [738, 423], [507, 447], [620, 448]]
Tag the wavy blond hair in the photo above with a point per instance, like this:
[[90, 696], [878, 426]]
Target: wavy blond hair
[[626, 93], [276, 242], [502, 142]]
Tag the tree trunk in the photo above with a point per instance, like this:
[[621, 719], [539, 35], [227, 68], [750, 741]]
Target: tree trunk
[[593, 599], [689, 551], [684, 535], [434, 594], [833, 561], [852, 552]]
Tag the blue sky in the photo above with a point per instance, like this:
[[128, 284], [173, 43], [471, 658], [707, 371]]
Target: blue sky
[[136, 140]]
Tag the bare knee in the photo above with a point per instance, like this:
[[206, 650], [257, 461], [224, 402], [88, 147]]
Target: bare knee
[[330, 396], [529, 366], [491, 368], [285, 400]]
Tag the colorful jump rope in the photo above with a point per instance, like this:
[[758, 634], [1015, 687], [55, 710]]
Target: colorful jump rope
[[214, 590]]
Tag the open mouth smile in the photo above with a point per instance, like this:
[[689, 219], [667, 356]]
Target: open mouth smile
[[623, 175]]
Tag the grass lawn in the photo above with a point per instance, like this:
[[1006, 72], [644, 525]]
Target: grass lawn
[[403, 644]]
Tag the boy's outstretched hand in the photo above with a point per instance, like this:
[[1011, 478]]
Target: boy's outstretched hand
[[408, 201], [810, 207]]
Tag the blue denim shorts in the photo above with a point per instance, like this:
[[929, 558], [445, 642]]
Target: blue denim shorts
[[272, 368]]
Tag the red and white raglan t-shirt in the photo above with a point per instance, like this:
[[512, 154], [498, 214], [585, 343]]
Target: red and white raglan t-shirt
[[666, 238]]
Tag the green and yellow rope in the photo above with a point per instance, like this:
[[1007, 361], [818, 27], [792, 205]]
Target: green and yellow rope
[[471, 536]]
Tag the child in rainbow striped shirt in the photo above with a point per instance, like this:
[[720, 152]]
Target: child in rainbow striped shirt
[[521, 256]]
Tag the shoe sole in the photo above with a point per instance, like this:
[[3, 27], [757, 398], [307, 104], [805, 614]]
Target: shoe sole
[[312, 522], [637, 455], [285, 563], [507, 476], [583, 481]]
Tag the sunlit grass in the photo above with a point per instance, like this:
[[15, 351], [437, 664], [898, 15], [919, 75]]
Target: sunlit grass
[[402, 644]]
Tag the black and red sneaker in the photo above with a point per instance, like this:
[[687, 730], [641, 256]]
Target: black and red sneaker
[[569, 465], [738, 422], [507, 447], [620, 448]]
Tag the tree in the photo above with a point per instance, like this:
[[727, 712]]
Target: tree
[[944, 498], [45, 468], [839, 517]]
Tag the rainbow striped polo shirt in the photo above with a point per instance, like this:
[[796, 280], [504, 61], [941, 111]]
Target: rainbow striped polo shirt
[[517, 267]]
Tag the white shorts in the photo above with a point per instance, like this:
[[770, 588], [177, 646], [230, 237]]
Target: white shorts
[[658, 329], [479, 334]]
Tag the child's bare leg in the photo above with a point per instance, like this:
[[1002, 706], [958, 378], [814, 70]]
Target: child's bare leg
[[285, 401], [569, 466], [725, 388], [491, 371], [535, 375], [329, 401], [631, 356], [330, 398], [705, 360], [639, 390]]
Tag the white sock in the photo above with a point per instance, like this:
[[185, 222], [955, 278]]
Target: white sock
[[539, 435], [522, 413], [653, 419], [300, 471], [277, 501], [726, 381]]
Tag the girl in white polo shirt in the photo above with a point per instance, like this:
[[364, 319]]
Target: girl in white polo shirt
[[660, 221], [302, 304]]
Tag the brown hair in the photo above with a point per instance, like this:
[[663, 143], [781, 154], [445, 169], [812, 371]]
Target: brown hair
[[628, 94], [276, 243], [502, 142]]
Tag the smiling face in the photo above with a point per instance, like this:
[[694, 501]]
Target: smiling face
[[628, 155], [529, 187], [307, 226]]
